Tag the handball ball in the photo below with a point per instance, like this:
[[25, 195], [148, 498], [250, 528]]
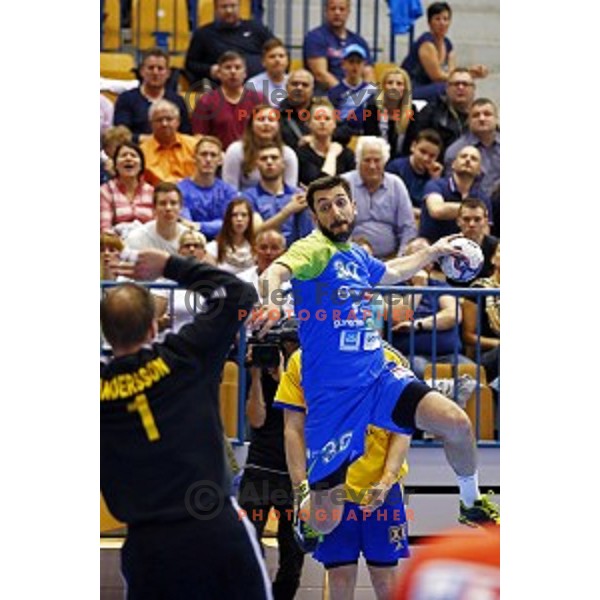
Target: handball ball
[[465, 268]]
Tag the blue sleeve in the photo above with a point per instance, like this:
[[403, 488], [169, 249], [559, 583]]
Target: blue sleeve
[[304, 223], [314, 45], [211, 228], [186, 126], [376, 269], [431, 186], [123, 111]]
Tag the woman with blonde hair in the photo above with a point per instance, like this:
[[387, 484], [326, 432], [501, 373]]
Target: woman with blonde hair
[[262, 128], [232, 248], [391, 109]]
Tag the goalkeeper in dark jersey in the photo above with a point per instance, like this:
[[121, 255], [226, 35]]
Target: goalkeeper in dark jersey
[[163, 465]]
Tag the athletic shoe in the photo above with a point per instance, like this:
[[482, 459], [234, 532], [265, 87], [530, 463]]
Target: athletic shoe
[[483, 512]]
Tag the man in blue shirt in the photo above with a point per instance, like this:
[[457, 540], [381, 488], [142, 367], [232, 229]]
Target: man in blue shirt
[[421, 166], [484, 135], [323, 46], [132, 107], [442, 197], [205, 196], [282, 207], [344, 374]]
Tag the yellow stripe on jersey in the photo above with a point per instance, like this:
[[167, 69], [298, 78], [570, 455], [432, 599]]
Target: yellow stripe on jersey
[[368, 469]]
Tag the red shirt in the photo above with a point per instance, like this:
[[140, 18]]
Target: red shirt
[[214, 115], [115, 206]]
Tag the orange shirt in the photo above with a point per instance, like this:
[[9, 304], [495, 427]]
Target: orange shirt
[[169, 163]]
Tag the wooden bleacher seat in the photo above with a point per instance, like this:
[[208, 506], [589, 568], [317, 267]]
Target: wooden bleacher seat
[[486, 417], [116, 65], [295, 64], [111, 39], [380, 67], [171, 16], [228, 398]]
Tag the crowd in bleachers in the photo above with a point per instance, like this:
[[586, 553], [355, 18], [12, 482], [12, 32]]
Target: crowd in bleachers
[[225, 175], [414, 146]]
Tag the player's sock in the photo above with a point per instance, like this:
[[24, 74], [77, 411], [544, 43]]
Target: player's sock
[[469, 488]]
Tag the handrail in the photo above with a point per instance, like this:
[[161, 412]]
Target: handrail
[[477, 293]]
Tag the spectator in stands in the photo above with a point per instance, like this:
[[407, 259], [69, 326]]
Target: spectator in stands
[[107, 110], [391, 110], [490, 321], [269, 244], [442, 197], [110, 140], [473, 223], [271, 83], [495, 201], [127, 200], [110, 245], [232, 250], [447, 314], [295, 111], [323, 46], [192, 243], [431, 57], [266, 482], [485, 136], [132, 107], [227, 32], [447, 114], [384, 212], [352, 93], [281, 206], [169, 154], [421, 166], [322, 156], [179, 307], [206, 196], [164, 231], [262, 128], [223, 112]]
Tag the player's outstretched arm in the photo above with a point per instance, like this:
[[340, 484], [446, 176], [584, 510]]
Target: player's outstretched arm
[[269, 286], [404, 267]]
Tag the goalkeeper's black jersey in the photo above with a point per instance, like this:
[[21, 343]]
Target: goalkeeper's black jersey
[[161, 439]]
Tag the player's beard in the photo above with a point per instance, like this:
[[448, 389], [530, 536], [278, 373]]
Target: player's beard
[[343, 236]]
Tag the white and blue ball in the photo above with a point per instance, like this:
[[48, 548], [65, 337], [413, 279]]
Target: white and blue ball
[[463, 268]]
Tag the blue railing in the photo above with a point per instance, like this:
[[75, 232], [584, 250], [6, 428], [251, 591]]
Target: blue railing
[[477, 293]]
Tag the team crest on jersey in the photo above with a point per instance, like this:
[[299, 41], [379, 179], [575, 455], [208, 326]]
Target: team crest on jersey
[[399, 371], [347, 270], [397, 535]]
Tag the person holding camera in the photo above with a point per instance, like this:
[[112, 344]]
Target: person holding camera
[[266, 481]]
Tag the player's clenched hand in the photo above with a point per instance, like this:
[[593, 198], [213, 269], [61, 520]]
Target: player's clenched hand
[[443, 246]]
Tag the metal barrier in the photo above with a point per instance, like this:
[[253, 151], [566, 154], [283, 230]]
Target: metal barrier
[[387, 291]]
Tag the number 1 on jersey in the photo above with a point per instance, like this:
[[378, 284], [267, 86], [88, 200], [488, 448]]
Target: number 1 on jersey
[[140, 404]]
